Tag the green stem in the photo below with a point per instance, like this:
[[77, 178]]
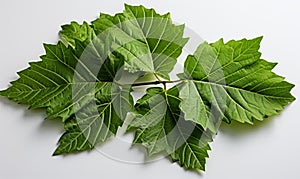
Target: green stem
[[157, 77]]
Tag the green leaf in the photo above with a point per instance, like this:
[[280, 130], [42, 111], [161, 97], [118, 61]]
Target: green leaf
[[73, 31], [49, 83], [67, 83], [149, 41], [80, 80], [160, 127], [73, 140], [89, 41], [61, 82], [97, 121], [231, 82]]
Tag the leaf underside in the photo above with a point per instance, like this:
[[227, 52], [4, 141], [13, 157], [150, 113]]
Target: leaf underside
[[77, 81]]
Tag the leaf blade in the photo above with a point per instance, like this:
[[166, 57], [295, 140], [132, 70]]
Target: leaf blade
[[185, 142], [146, 28], [96, 122], [235, 72]]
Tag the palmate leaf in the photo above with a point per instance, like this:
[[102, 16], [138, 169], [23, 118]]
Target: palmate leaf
[[97, 121], [79, 80], [155, 41], [148, 41], [230, 82], [160, 127], [48, 83], [67, 83], [112, 67]]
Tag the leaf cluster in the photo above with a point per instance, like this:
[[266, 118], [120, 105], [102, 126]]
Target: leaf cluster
[[79, 80]]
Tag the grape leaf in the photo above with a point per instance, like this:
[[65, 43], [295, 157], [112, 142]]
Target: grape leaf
[[231, 82], [160, 127]]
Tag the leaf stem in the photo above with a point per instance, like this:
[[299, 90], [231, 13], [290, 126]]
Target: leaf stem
[[155, 83]]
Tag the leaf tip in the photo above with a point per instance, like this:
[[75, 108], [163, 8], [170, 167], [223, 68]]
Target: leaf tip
[[3, 93], [56, 153], [256, 40], [127, 6], [259, 38], [221, 40], [167, 15]]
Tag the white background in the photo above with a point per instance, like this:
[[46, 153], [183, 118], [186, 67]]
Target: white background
[[270, 149]]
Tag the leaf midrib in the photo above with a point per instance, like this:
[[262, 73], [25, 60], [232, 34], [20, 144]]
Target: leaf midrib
[[58, 86], [186, 143], [237, 88]]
